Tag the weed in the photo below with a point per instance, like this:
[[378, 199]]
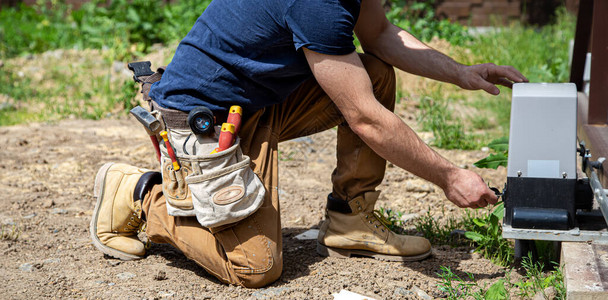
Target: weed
[[486, 232], [500, 147], [536, 281], [10, 232], [290, 156], [448, 132], [457, 288], [439, 233]]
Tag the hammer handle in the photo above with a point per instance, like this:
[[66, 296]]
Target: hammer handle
[[156, 147]]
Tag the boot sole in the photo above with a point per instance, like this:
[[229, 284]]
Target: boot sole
[[100, 180], [346, 253]]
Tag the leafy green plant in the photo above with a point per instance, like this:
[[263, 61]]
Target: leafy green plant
[[457, 288], [439, 233], [536, 281], [486, 232], [499, 158]]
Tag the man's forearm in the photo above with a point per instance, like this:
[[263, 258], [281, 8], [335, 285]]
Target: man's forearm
[[402, 50], [395, 141]]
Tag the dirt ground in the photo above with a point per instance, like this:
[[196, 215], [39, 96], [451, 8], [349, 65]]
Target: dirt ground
[[47, 173]]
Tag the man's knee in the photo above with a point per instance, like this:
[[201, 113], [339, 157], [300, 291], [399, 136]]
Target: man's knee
[[253, 250], [261, 279], [383, 79]]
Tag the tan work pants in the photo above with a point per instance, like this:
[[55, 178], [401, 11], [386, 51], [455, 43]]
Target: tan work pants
[[249, 253]]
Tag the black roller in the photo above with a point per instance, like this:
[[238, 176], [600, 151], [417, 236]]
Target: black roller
[[540, 218]]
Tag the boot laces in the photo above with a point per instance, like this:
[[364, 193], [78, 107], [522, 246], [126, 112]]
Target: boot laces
[[379, 221], [135, 223]]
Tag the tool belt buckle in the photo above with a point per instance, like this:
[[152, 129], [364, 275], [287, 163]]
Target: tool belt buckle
[[140, 69]]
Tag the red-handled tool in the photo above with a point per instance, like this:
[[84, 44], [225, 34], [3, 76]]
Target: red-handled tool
[[234, 117], [227, 137], [170, 151]]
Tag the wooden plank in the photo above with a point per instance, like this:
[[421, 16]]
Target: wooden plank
[[585, 270], [581, 42], [595, 136], [598, 85]]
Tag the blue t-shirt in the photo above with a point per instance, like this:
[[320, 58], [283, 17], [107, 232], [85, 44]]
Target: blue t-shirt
[[249, 52]]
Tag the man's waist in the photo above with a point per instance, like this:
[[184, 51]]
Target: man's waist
[[178, 119]]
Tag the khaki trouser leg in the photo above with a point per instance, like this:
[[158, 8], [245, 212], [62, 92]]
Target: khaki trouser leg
[[249, 253]]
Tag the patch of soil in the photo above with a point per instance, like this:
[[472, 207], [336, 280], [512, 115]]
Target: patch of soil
[[47, 173]]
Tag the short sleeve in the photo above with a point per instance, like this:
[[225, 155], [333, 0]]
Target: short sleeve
[[324, 26]]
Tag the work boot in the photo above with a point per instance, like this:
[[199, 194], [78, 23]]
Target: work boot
[[352, 228], [117, 218]]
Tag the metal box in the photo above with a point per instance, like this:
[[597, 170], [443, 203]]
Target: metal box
[[541, 173]]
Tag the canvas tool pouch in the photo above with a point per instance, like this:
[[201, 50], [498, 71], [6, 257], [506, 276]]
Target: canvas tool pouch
[[218, 189]]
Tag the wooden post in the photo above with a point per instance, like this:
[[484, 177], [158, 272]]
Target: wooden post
[[598, 86], [581, 42]]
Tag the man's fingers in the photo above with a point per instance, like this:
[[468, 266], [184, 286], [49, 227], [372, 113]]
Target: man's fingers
[[505, 82], [490, 197], [507, 72], [488, 87]]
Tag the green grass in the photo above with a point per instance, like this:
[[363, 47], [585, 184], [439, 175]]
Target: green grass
[[127, 30], [541, 54], [128, 27], [533, 283], [484, 232], [440, 233]]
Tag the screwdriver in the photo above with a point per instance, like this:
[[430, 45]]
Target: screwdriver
[[170, 151], [227, 135], [234, 117]]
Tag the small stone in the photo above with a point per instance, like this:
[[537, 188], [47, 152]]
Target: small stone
[[26, 267], [485, 149], [161, 275], [100, 281], [422, 294], [167, 294], [125, 276], [29, 267], [59, 211], [29, 216], [111, 284], [400, 291], [51, 261]]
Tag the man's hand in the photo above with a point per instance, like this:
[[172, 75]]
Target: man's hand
[[487, 76], [467, 189]]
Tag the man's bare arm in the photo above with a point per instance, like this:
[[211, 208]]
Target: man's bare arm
[[346, 82], [402, 50]]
